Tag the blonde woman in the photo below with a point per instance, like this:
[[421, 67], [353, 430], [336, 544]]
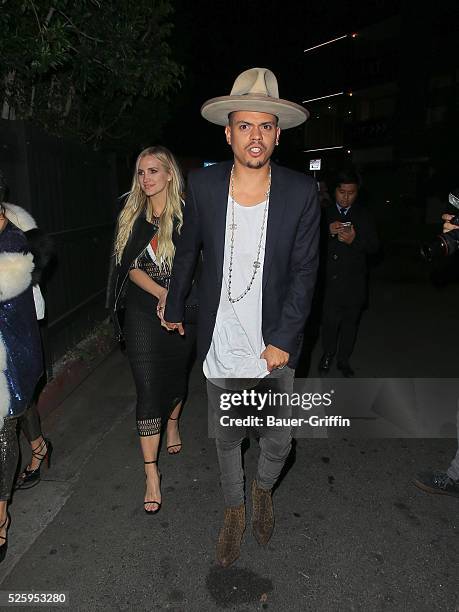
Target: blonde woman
[[148, 228]]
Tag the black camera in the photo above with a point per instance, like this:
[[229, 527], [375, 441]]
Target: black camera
[[446, 244]]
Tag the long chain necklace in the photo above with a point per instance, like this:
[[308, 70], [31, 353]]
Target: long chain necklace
[[256, 264]]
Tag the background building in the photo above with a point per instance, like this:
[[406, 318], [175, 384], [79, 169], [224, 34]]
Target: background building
[[396, 118]]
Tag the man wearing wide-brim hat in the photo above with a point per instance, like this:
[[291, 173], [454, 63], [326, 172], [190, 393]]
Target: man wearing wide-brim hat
[[257, 225]]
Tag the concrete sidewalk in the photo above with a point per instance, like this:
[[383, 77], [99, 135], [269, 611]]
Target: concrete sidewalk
[[352, 532]]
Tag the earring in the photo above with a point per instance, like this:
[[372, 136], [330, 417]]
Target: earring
[[277, 142]]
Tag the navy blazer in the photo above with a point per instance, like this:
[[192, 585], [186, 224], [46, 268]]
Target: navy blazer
[[291, 255]]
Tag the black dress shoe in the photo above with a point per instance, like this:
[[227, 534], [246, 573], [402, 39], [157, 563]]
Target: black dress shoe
[[345, 369], [325, 362]]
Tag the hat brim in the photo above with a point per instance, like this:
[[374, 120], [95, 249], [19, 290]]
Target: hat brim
[[288, 113]]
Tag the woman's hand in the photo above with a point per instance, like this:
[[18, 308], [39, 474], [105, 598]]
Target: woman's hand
[[162, 296]]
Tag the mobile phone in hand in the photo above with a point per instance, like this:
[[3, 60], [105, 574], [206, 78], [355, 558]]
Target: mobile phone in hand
[[346, 225]]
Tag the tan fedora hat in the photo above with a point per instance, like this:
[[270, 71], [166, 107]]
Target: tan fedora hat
[[255, 90]]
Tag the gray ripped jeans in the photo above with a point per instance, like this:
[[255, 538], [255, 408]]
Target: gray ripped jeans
[[275, 440]]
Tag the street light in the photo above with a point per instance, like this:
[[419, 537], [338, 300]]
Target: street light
[[329, 42], [322, 149], [339, 93]]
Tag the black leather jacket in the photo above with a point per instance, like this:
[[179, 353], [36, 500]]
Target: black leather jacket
[[118, 275]]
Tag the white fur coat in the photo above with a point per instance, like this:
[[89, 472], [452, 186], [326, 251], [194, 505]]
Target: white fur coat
[[16, 268], [20, 217]]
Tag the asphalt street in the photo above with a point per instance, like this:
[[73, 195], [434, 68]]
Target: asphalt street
[[352, 532]]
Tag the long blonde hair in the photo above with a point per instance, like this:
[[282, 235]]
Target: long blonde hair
[[137, 203]]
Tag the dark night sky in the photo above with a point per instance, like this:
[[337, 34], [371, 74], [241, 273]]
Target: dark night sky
[[216, 40]]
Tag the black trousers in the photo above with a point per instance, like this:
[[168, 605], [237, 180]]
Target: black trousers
[[339, 329], [30, 423]]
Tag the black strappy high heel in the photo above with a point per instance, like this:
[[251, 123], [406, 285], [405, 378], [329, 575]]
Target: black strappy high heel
[[153, 501], [174, 445], [4, 546], [29, 478]]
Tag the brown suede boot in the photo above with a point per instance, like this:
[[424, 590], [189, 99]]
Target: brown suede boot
[[262, 514], [229, 540]]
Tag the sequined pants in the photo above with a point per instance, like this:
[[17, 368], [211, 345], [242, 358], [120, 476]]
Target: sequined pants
[[9, 456], [9, 446]]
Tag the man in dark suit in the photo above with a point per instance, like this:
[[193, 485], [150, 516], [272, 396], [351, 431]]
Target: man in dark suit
[[351, 237], [257, 226]]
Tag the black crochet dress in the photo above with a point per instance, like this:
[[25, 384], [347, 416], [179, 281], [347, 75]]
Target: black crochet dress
[[160, 360]]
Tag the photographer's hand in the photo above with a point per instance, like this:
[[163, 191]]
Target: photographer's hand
[[447, 226]]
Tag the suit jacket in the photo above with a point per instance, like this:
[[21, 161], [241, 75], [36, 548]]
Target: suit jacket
[[291, 255], [346, 267]]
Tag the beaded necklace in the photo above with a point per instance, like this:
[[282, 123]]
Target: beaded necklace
[[233, 226]]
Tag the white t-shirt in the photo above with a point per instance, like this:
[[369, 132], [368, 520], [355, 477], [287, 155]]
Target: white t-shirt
[[237, 341]]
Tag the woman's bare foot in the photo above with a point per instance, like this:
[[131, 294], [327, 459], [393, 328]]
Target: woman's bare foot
[[153, 488], [174, 442]]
